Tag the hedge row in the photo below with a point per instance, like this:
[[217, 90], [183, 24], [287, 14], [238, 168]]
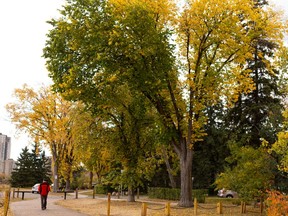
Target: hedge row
[[161, 193], [174, 193], [101, 189]]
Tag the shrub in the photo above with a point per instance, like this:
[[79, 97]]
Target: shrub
[[101, 189], [104, 188], [200, 195], [277, 204], [174, 193]]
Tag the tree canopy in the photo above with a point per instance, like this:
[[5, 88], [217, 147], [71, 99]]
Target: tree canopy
[[180, 61], [47, 119], [252, 176]]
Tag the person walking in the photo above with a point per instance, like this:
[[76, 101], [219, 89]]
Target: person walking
[[44, 189]]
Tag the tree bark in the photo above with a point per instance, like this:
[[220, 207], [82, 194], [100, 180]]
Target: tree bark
[[169, 169], [186, 178], [131, 194], [90, 179], [55, 175], [68, 184]]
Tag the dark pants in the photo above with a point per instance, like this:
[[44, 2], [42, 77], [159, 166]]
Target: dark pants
[[43, 202]]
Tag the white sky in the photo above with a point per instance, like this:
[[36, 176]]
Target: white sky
[[22, 38]]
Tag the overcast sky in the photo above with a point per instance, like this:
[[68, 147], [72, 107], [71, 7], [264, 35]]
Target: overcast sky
[[22, 38]]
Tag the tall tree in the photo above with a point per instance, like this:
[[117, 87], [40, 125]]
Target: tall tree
[[41, 164], [252, 176], [124, 130], [210, 154], [257, 114], [30, 168], [131, 133], [22, 175], [279, 148], [91, 141], [45, 117], [96, 42]]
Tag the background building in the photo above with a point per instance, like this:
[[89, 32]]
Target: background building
[[6, 164], [5, 147]]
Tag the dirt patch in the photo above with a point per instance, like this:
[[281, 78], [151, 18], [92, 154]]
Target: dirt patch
[[97, 207]]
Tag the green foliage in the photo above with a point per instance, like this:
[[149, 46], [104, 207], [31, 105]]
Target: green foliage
[[31, 168], [79, 180], [22, 175], [252, 175], [256, 116], [99, 50], [280, 147], [200, 195], [129, 138], [174, 193], [101, 189], [42, 164], [164, 193], [209, 155]]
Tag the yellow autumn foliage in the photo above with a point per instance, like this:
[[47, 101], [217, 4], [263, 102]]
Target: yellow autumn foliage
[[46, 118], [280, 147], [163, 11]]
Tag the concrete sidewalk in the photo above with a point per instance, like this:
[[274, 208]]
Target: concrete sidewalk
[[32, 207]]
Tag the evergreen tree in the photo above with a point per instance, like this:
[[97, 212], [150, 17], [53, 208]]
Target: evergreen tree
[[210, 154], [30, 168], [41, 165], [257, 114], [22, 175], [45, 167]]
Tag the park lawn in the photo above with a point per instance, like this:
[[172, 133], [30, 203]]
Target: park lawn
[[99, 207]]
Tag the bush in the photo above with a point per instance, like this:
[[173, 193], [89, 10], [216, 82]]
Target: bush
[[100, 189], [174, 193], [103, 188], [277, 204], [200, 195]]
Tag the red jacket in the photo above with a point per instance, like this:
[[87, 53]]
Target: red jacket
[[44, 189]]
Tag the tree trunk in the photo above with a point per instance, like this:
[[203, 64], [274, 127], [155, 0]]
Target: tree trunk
[[68, 184], [55, 175], [68, 178], [90, 179], [131, 194], [186, 178], [99, 178], [169, 169]]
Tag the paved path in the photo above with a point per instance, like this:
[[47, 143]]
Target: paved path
[[32, 207]]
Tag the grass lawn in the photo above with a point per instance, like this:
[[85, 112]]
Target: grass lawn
[[155, 207]]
